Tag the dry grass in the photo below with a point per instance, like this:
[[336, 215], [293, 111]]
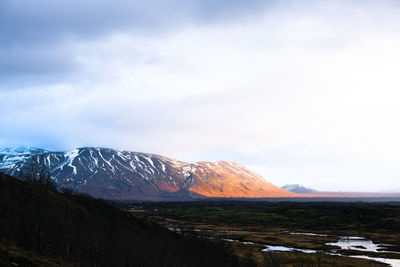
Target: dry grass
[[271, 224], [12, 256]]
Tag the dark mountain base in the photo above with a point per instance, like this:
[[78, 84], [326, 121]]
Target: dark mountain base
[[13, 256], [83, 231]]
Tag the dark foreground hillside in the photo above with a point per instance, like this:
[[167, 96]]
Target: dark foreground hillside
[[78, 230]]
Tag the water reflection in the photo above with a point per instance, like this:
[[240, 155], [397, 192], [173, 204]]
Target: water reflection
[[345, 243], [357, 243]]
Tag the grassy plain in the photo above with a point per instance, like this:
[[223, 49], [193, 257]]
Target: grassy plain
[[250, 226]]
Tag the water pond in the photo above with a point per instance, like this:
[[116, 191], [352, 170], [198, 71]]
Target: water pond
[[357, 243]]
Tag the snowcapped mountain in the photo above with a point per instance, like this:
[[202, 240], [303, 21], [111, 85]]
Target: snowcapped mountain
[[299, 189], [12, 158], [112, 174]]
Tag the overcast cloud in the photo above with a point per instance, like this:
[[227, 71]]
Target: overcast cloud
[[301, 93]]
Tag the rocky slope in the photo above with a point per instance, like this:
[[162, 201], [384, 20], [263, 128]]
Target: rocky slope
[[112, 174]]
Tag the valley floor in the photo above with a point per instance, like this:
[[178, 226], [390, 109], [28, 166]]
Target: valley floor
[[289, 233]]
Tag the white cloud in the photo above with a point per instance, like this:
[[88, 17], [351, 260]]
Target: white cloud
[[303, 95]]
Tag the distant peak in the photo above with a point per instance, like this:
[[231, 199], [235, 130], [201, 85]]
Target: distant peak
[[298, 188]]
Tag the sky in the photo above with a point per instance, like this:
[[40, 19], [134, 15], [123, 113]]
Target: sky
[[302, 92]]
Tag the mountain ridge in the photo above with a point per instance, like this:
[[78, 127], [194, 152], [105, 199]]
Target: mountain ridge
[[299, 189], [113, 174]]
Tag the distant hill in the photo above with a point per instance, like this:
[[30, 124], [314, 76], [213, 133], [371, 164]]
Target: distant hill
[[299, 189], [39, 224], [111, 174]]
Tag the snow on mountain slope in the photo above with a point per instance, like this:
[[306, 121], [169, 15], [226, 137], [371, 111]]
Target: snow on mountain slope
[[112, 174], [12, 160]]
